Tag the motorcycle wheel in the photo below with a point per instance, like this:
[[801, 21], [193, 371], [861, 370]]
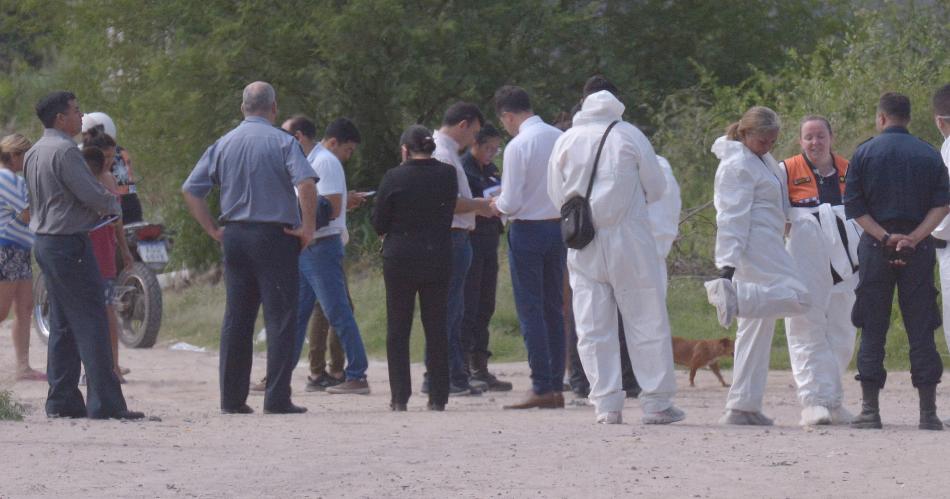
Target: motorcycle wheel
[[40, 308], [139, 306]]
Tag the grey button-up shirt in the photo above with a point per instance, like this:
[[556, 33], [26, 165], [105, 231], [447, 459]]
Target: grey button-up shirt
[[65, 198], [257, 166]]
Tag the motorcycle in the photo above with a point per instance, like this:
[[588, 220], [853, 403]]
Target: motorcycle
[[138, 295]]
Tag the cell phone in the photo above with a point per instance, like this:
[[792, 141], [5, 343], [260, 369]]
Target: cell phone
[[368, 193]]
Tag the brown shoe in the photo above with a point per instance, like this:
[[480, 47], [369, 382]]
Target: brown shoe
[[559, 400], [533, 400], [350, 387]]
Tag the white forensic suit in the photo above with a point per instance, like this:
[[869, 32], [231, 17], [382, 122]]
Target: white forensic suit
[[751, 199], [821, 341], [618, 269], [943, 254], [664, 216]]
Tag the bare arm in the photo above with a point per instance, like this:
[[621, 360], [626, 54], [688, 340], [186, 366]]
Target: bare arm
[[336, 204], [198, 208], [931, 221]]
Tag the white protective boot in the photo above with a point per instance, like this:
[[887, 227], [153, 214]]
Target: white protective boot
[[611, 417], [721, 294], [840, 415], [667, 416], [814, 415]]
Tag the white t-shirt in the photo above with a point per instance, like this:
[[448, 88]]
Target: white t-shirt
[[446, 151], [332, 181]]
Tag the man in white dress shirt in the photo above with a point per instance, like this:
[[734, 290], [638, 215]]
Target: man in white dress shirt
[[460, 125], [941, 105], [536, 252]]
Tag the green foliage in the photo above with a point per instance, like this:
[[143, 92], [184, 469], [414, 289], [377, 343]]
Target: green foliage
[[842, 80], [170, 73], [10, 410]]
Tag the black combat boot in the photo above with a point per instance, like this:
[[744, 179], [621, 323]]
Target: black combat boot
[[480, 373], [870, 417], [928, 408]]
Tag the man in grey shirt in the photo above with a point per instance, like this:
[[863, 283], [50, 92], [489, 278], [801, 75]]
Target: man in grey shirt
[[262, 232], [66, 202]]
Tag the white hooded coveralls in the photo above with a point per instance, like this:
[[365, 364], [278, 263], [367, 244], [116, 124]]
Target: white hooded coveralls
[[751, 202], [943, 254], [821, 341], [619, 267]]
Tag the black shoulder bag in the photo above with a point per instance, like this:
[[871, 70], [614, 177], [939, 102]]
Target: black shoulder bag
[[577, 223]]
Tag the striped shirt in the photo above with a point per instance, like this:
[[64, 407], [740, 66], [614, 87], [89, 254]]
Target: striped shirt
[[13, 200]]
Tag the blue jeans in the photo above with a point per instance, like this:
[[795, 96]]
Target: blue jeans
[[322, 280], [536, 256]]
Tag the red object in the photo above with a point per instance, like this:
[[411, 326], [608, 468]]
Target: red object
[[149, 232], [104, 246]]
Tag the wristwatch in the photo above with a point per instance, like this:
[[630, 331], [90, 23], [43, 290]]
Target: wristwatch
[[887, 235]]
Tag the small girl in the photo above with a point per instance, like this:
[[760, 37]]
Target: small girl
[[105, 240]]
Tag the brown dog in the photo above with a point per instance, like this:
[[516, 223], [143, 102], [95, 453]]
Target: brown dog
[[699, 353]]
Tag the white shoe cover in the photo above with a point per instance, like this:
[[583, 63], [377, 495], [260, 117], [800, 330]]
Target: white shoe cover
[[612, 417], [814, 415], [742, 418], [757, 418], [721, 294], [840, 415], [670, 415]]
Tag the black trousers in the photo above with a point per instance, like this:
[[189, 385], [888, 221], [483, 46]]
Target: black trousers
[[260, 268], [917, 298], [79, 331], [480, 286], [430, 280]]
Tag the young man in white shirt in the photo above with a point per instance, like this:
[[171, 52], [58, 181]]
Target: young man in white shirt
[[460, 125], [536, 252], [321, 263]]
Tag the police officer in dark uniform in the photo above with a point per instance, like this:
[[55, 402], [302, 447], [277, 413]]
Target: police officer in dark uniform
[[897, 189]]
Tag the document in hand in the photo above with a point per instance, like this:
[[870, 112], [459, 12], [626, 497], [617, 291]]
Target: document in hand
[[104, 221]]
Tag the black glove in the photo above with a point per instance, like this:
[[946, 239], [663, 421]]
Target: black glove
[[726, 272]]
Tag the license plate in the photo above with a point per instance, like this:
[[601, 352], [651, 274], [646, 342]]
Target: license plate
[[153, 252]]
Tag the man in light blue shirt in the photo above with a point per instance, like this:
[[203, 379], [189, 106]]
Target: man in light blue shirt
[[257, 167]]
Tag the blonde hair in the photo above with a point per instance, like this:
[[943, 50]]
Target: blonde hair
[[12, 144], [757, 119]]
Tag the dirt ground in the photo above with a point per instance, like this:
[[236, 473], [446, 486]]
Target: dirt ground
[[352, 446]]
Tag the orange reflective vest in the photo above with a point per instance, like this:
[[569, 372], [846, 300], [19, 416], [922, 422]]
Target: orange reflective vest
[[803, 179]]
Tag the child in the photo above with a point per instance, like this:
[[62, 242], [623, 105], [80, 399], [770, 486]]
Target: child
[[105, 239]]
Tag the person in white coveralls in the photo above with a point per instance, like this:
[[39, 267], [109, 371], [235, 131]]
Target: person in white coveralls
[[751, 201], [619, 267], [823, 244]]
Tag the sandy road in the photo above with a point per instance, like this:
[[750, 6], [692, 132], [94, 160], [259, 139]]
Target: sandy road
[[352, 446]]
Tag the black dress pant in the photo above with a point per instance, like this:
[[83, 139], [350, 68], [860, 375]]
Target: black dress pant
[[79, 331], [260, 268], [480, 287], [404, 280], [917, 298]]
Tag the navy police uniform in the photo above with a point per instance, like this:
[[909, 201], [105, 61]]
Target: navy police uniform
[[896, 178]]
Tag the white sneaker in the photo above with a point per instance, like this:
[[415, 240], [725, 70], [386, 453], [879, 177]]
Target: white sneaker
[[742, 418], [670, 415], [840, 415], [612, 417], [814, 415], [721, 294]]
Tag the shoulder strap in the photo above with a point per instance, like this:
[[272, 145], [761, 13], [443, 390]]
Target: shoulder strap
[[593, 173]]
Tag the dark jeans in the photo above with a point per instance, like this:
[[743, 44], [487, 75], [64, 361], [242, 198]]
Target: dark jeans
[[79, 331], [536, 256], [404, 280], [480, 285], [260, 268], [917, 298]]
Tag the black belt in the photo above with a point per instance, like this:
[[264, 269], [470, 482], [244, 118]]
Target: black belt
[[456, 229], [940, 243]]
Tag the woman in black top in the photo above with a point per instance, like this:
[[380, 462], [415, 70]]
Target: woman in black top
[[414, 207]]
